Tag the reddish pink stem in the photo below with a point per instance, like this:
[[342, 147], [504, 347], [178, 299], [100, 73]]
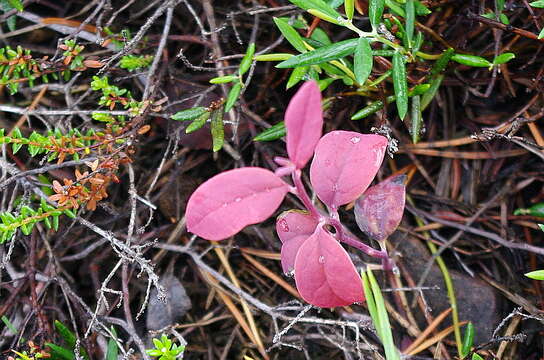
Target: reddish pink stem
[[333, 219]]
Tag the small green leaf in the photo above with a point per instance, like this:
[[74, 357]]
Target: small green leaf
[[362, 60], [477, 357], [60, 353], [323, 16], [541, 35], [382, 52], [290, 34], [217, 130], [47, 222], [416, 119], [537, 4], [335, 3], [319, 5], [378, 105], [370, 109], [395, 8], [321, 36], [400, 84], [189, 114], [296, 75], [322, 54], [233, 96], [421, 10], [349, 6], [223, 80], [468, 340], [17, 133], [16, 4], [503, 58], [56, 223], [26, 229], [67, 335], [198, 123], [247, 59], [442, 61], [324, 83], [409, 7], [429, 95], [16, 147], [273, 57], [69, 213], [272, 133], [537, 275], [12, 23], [9, 325], [418, 41], [112, 353], [375, 11], [471, 60], [296, 23]]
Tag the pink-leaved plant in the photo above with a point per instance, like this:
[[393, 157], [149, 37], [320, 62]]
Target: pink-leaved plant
[[343, 166]]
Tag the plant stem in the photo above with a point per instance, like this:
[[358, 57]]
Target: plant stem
[[346, 237], [333, 219], [303, 195]]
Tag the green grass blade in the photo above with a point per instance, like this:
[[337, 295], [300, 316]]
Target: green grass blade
[[113, 351], [391, 352], [370, 303], [468, 340]]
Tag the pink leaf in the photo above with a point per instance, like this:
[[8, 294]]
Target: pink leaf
[[379, 210], [228, 202], [344, 164], [324, 273], [293, 228], [304, 123]]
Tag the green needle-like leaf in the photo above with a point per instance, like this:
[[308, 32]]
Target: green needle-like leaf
[[468, 340], [537, 275], [233, 96], [320, 5], [416, 119], [349, 6], [375, 11], [322, 54], [217, 130], [272, 133], [290, 34], [247, 59], [198, 123], [189, 114], [410, 21], [296, 75], [400, 84]]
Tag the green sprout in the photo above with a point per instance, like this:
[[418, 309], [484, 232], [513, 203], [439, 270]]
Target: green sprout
[[165, 349]]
